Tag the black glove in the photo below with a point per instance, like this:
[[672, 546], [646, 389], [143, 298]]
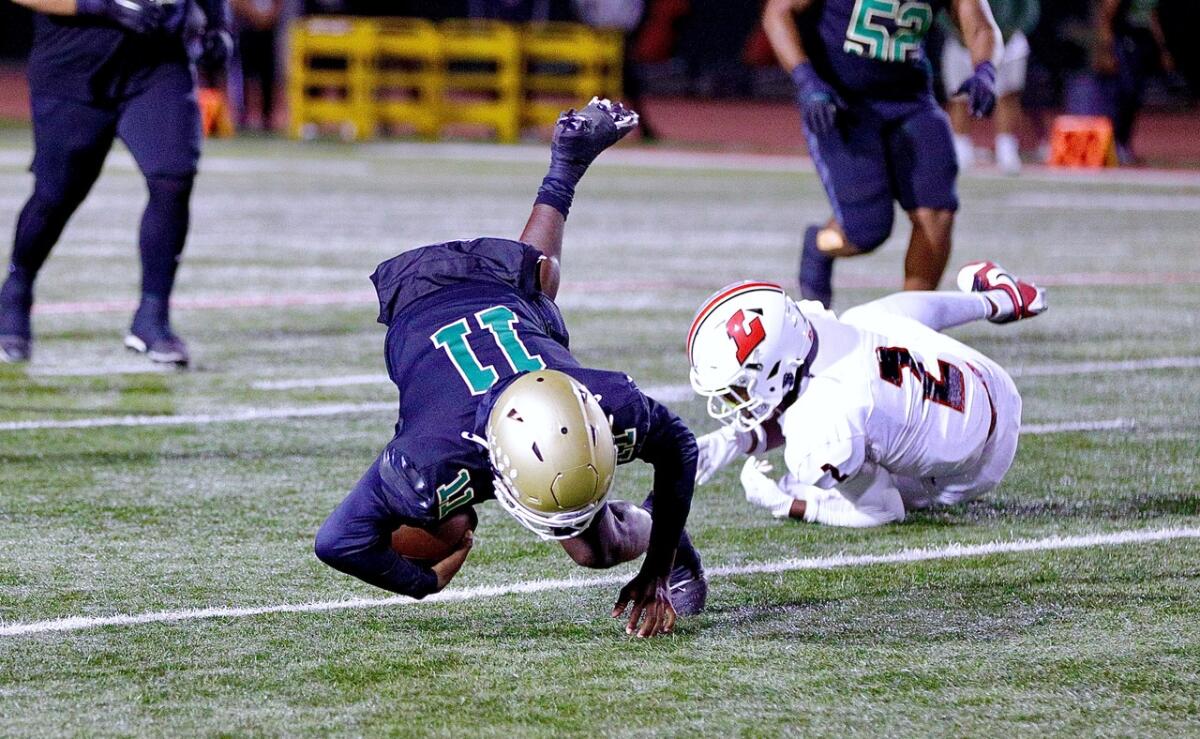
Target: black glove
[[139, 16], [215, 50], [819, 103], [579, 137], [980, 89]]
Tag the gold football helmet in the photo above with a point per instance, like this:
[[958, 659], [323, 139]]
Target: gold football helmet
[[552, 453]]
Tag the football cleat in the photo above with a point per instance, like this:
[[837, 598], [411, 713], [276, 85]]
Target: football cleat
[[165, 349], [816, 270], [688, 583], [151, 334], [1012, 298], [580, 135], [14, 349]]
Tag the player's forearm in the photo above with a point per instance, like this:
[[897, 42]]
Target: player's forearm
[[49, 7], [380, 566], [979, 31], [544, 232], [779, 24], [763, 439], [671, 448]]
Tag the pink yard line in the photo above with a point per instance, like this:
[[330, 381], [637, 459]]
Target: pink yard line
[[301, 300], [213, 302]]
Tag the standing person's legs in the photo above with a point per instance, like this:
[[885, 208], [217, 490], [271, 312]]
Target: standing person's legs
[[71, 141], [956, 68], [161, 126], [267, 78], [851, 161], [1010, 83], [924, 172]]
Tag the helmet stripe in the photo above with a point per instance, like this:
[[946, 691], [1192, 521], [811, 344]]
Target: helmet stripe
[[715, 301]]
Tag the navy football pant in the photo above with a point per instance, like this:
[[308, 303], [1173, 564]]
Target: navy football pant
[[160, 124], [881, 153]]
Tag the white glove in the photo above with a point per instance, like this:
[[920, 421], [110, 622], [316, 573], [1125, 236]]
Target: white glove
[[762, 490], [717, 449]]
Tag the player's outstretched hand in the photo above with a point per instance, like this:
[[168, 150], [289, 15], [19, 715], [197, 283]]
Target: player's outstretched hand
[[651, 600], [762, 491], [717, 449], [580, 135], [216, 49], [139, 16], [980, 90], [819, 103]]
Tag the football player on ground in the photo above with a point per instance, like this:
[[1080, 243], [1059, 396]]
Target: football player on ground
[[492, 404], [878, 412], [874, 129]]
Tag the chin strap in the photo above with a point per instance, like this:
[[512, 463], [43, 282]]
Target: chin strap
[[475, 439]]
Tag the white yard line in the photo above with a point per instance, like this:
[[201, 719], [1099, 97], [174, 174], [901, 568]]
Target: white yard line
[[952, 551], [315, 383], [1135, 202], [1111, 424], [364, 160], [201, 419], [1093, 368]]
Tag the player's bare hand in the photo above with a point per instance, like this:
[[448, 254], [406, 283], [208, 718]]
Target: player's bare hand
[[652, 612], [580, 135], [449, 567]]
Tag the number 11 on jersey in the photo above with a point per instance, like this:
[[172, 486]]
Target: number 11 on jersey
[[500, 322]]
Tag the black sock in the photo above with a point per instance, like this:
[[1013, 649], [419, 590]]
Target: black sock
[[164, 230]]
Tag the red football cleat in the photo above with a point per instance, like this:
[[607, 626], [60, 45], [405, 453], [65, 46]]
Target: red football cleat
[[1018, 299]]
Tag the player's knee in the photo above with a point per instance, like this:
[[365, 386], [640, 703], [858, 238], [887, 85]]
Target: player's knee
[[175, 190], [56, 197], [867, 233]]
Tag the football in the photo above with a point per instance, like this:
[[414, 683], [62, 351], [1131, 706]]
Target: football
[[433, 545]]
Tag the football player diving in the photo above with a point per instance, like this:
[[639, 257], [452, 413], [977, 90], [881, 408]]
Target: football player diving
[[877, 411], [493, 404]]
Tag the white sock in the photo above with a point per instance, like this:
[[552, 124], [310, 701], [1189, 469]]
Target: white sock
[[1008, 153], [964, 150], [939, 310]]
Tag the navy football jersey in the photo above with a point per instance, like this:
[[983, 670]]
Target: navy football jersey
[[86, 58], [871, 48], [465, 319]]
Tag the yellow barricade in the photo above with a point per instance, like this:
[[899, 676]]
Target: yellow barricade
[[331, 77], [565, 64], [409, 75], [356, 74], [482, 76]]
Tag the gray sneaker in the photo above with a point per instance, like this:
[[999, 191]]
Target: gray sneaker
[[168, 349], [14, 349]]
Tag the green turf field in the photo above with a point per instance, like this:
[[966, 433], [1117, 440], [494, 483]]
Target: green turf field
[[209, 512]]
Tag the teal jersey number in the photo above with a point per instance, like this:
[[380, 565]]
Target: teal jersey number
[[455, 494], [867, 36], [500, 322], [626, 443]]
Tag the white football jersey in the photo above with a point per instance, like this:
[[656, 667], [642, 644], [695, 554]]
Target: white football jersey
[[890, 391]]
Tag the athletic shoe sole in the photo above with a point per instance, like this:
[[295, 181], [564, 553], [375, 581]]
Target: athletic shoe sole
[[175, 357]]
